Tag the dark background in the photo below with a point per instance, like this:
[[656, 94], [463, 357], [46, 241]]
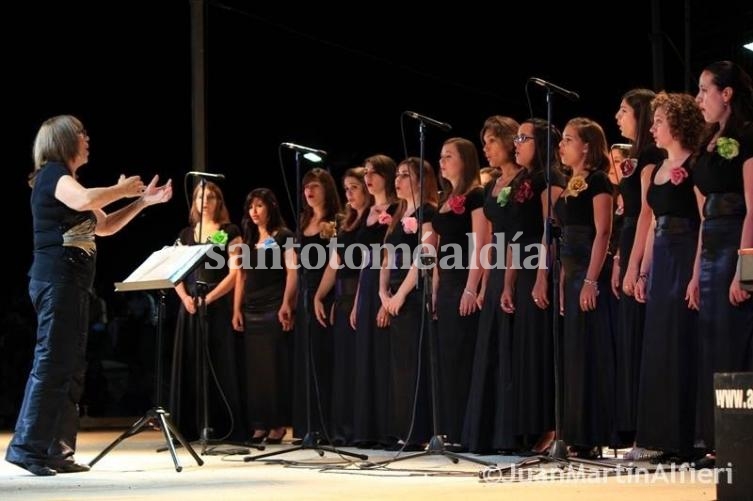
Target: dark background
[[337, 80]]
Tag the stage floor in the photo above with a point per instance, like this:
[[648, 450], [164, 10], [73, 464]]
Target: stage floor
[[134, 470]]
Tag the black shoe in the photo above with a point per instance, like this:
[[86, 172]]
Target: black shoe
[[278, 440], [41, 470], [72, 467], [259, 438]]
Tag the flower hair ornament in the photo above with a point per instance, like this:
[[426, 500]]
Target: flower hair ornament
[[575, 186], [727, 147]]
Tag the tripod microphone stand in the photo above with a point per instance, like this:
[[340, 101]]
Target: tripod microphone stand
[[558, 451], [156, 416], [203, 388], [436, 445], [311, 438]]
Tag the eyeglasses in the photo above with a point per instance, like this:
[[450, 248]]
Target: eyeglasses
[[521, 138], [83, 133]]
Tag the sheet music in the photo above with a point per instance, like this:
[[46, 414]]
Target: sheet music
[[164, 268]]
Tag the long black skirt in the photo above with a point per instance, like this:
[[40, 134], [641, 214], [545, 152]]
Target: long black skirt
[[456, 342], [725, 331], [410, 371], [533, 362], [267, 363], [219, 351], [628, 344], [343, 365], [588, 349], [490, 412], [667, 392], [372, 360], [312, 361]]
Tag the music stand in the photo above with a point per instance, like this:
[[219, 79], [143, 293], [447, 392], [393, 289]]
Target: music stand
[[162, 270]]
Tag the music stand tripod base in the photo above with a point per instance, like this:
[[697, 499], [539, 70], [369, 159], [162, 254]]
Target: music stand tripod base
[[154, 416]]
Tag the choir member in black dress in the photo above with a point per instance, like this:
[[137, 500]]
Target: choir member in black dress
[[667, 390], [342, 274], [634, 120], [401, 287], [205, 335], [585, 210], [527, 292], [489, 416], [368, 317], [264, 302], [457, 277], [723, 177], [321, 204]]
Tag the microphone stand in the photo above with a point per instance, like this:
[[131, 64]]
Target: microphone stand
[[311, 438], [436, 445], [558, 450]]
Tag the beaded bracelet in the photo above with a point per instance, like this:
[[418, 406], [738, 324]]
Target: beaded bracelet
[[469, 291], [593, 283]]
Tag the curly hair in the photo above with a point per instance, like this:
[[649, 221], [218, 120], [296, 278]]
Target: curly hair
[[684, 117]]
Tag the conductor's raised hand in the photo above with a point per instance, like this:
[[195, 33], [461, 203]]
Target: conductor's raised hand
[[154, 194], [131, 186]]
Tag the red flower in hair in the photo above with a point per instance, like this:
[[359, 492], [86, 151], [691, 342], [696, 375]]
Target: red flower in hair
[[524, 192], [457, 203]]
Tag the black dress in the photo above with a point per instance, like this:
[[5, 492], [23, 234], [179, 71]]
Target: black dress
[[266, 346], [372, 348], [225, 411], [533, 342], [587, 341], [489, 415], [343, 368], [667, 391], [630, 313], [456, 335], [312, 345], [725, 331], [409, 364]]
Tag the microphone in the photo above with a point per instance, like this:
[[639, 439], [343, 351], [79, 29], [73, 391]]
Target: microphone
[[304, 149], [207, 175], [572, 96], [423, 118]]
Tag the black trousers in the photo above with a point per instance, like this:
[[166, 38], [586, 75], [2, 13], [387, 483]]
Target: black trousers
[[48, 421]]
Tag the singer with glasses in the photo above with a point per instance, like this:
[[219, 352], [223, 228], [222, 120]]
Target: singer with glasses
[[203, 333], [66, 217], [527, 292]]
